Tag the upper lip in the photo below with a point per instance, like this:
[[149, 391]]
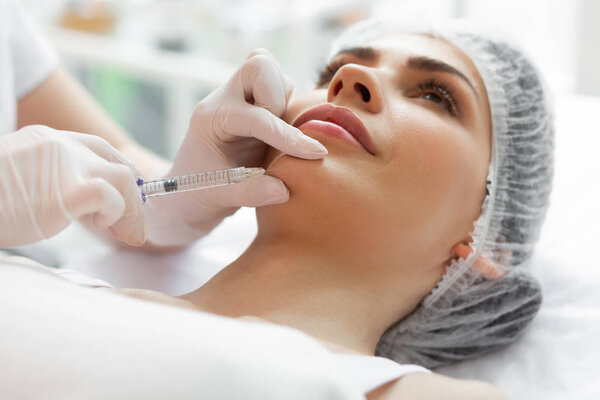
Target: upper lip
[[343, 117]]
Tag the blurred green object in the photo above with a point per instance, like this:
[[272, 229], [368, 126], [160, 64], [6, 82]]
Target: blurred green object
[[116, 92], [137, 105]]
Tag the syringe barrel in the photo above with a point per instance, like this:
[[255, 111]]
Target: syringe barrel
[[202, 180]]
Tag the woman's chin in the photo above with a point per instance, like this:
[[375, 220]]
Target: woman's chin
[[272, 158], [271, 155], [293, 171]]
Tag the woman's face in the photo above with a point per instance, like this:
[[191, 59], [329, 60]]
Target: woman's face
[[417, 193]]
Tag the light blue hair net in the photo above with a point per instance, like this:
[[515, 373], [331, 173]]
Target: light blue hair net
[[467, 314]]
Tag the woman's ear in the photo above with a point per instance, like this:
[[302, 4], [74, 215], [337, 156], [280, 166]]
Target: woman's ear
[[482, 264]]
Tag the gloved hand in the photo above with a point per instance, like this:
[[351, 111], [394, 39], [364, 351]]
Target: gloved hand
[[50, 178], [229, 128]]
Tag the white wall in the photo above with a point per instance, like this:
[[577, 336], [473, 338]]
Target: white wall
[[562, 36], [549, 30], [587, 70]]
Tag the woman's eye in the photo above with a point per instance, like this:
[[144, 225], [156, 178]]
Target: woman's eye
[[440, 94], [326, 74], [434, 97]]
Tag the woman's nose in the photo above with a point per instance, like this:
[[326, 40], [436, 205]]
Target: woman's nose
[[354, 84]]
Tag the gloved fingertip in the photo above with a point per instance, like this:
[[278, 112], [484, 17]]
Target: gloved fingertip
[[139, 238], [144, 232], [305, 146], [137, 242], [274, 192], [259, 51], [140, 233], [313, 149], [100, 222]]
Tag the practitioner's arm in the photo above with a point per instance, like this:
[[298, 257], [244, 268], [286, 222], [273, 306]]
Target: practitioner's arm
[[60, 102]]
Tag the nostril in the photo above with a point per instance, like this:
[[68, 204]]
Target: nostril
[[338, 86], [362, 89]]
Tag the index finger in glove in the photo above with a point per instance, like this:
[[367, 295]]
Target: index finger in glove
[[112, 199], [264, 84], [288, 83], [131, 226], [122, 174], [97, 197], [266, 127]]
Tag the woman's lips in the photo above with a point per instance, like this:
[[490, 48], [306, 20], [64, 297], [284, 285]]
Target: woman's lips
[[331, 129], [340, 122]]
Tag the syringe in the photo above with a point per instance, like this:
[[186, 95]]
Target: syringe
[[203, 180]]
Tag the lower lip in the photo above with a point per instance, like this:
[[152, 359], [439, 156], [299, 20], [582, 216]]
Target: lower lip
[[331, 129]]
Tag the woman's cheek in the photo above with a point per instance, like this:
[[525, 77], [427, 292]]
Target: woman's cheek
[[425, 165]]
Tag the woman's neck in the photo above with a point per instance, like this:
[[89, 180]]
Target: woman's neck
[[298, 285]]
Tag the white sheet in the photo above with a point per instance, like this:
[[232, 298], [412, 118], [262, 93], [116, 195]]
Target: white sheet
[[61, 341], [556, 358]]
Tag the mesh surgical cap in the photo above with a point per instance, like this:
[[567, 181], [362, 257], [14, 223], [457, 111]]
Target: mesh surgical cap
[[467, 314]]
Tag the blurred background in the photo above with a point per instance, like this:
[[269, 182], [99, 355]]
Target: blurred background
[[148, 62]]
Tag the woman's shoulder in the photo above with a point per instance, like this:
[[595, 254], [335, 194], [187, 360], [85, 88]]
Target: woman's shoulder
[[421, 385], [411, 381]]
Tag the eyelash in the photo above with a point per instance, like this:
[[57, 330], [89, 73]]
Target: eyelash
[[325, 74], [443, 90]]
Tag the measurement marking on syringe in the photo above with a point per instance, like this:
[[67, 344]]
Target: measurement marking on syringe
[[204, 180]]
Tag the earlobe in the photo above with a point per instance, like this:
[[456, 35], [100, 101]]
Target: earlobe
[[482, 264]]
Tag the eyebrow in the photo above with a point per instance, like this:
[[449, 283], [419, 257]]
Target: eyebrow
[[431, 64], [364, 53], [423, 63]]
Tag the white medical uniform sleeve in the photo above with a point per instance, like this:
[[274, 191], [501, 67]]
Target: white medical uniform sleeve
[[33, 59]]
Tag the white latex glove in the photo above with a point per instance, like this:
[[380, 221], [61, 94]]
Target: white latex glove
[[49, 178], [230, 128]]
